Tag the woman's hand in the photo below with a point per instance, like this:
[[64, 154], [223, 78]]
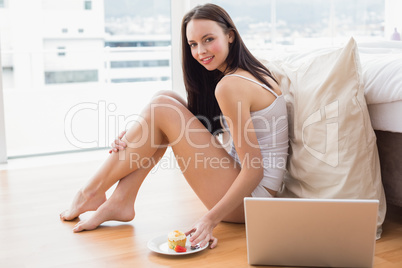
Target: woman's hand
[[118, 144], [202, 233]]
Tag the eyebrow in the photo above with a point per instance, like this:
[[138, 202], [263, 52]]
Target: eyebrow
[[205, 35]]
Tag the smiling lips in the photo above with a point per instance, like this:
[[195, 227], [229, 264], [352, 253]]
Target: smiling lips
[[207, 60]]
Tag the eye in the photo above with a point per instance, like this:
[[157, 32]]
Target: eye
[[209, 39], [192, 45]]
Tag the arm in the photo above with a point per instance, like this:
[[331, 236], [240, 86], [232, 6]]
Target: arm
[[235, 104]]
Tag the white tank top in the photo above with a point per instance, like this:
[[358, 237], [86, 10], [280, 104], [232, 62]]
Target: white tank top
[[271, 126]]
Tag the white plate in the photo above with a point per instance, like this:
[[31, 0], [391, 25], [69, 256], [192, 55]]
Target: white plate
[[160, 245]]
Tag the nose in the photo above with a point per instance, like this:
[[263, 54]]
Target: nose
[[201, 49]]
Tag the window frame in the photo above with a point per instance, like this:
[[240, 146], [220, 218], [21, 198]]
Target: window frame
[[3, 147], [178, 9]]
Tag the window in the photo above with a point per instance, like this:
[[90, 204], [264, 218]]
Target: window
[[139, 64], [64, 77], [60, 89], [87, 5], [141, 79], [161, 43], [61, 51], [125, 64], [2, 3], [265, 24]]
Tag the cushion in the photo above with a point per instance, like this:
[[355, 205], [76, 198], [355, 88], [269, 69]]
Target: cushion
[[382, 77], [333, 152]]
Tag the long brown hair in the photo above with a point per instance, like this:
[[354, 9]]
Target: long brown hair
[[199, 82]]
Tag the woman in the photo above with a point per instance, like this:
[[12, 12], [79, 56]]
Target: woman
[[226, 86]]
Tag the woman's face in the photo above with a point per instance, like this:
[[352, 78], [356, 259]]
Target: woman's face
[[208, 43]]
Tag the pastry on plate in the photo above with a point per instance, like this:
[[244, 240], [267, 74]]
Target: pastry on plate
[[176, 238]]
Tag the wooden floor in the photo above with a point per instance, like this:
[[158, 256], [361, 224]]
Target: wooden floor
[[31, 234]]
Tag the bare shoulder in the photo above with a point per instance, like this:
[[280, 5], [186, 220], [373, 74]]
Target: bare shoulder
[[230, 88], [231, 85]]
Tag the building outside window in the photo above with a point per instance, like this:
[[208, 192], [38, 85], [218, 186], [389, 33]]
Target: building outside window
[[61, 51], [275, 23], [65, 77], [87, 5], [59, 86]]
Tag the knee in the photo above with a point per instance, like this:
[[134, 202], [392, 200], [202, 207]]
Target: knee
[[164, 109], [166, 93], [163, 105], [163, 99], [169, 94], [168, 98]]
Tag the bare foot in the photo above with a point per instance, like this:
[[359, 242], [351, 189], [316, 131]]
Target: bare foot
[[82, 203], [112, 209]]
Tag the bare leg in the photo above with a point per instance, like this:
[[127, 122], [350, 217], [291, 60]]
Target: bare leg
[[120, 206], [170, 121], [83, 202], [90, 197], [126, 190]]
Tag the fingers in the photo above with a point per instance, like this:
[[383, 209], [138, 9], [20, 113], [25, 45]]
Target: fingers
[[118, 144], [201, 233], [122, 134], [202, 238], [214, 242], [205, 240], [190, 232]]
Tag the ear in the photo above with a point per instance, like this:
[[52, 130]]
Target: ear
[[231, 36]]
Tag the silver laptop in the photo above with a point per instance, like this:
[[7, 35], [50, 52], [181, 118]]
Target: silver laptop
[[311, 232]]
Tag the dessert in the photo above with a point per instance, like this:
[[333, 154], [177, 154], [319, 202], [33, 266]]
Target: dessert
[[179, 248], [176, 238]]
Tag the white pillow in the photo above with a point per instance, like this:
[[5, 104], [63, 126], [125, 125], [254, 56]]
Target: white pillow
[[333, 152], [382, 77]]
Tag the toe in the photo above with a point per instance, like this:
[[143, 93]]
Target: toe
[[69, 215], [85, 225], [64, 215], [78, 227]]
